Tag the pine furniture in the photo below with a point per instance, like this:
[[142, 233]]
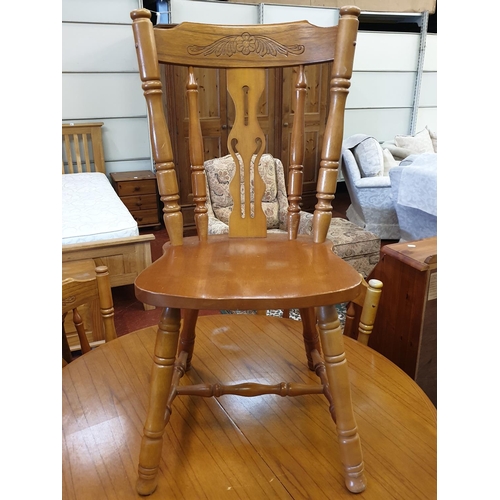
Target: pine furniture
[[354, 244], [248, 268], [137, 189], [81, 270], [86, 287], [239, 447], [406, 327], [275, 115]]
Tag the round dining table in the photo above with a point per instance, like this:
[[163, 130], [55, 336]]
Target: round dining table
[[262, 447]]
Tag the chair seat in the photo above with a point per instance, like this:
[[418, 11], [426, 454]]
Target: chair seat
[[231, 273]]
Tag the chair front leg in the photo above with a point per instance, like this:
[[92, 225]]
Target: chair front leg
[[158, 413], [337, 373]]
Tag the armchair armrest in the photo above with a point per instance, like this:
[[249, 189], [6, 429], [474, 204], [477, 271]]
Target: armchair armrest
[[305, 225], [373, 182], [349, 166], [216, 226]]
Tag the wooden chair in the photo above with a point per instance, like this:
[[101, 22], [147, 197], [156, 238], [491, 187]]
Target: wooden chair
[[248, 268], [362, 311], [77, 292]]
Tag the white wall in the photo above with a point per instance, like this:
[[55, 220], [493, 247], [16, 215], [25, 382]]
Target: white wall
[[100, 79], [382, 90], [427, 111]]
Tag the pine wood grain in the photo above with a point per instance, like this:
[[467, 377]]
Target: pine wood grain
[[264, 447]]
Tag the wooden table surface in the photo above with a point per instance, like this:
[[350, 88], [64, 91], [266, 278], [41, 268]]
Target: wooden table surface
[[234, 447]]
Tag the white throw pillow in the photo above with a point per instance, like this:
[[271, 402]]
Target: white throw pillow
[[389, 161], [417, 144], [369, 157], [434, 139]]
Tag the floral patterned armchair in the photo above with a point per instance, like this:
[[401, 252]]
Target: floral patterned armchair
[[352, 243], [220, 171]]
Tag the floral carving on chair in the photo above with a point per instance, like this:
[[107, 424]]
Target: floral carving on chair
[[245, 44]]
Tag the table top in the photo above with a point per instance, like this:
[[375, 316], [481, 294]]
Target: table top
[[261, 447], [419, 254]]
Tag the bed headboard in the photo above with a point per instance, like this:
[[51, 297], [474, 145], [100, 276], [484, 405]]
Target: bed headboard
[[82, 148]]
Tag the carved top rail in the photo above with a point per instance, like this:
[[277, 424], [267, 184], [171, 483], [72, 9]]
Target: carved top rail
[[272, 45]]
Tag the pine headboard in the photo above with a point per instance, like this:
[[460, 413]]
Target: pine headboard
[[82, 148]]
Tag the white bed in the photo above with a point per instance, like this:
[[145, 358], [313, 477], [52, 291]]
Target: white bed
[[92, 210], [95, 222]]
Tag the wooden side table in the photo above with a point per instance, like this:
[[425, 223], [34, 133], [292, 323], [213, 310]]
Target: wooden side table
[[405, 330], [139, 192]]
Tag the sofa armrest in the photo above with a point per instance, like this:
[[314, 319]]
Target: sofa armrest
[[349, 166], [382, 181]]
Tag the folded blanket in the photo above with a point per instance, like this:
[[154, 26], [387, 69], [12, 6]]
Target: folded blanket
[[418, 185]]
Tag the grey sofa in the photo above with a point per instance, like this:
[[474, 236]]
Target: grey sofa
[[369, 189]]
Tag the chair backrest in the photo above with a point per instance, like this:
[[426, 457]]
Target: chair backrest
[[77, 292], [219, 171], [245, 53]]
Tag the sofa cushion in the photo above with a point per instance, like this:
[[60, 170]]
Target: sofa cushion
[[220, 171], [369, 157], [416, 144], [434, 139]]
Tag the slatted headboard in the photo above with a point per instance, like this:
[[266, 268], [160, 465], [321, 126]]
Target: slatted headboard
[[82, 148]]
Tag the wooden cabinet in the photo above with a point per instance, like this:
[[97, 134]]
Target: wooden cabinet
[[217, 117], [405, 330], [139, 193]]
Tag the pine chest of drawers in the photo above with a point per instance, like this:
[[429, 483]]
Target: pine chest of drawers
[[139, 193]]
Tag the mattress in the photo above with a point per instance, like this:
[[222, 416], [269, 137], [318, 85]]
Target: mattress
[[92, 211]]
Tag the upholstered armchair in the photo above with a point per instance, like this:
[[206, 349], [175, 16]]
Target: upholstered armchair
[[369, 187], [359, 247], [374, 172]]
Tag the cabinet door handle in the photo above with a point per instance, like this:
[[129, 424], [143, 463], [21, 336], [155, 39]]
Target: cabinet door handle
[[224, 127], [137, 188]]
